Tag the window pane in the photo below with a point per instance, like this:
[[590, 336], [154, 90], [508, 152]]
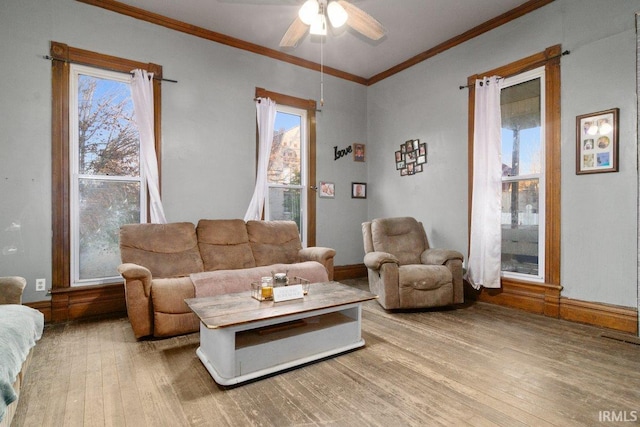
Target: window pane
[[284, 163], [104, 206], [521, 131], [520, 226], [285, 204], [108, 141]]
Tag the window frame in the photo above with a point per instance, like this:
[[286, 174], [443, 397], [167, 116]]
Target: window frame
[[524, 77], [62, 56], [309, 105], [550, 60]]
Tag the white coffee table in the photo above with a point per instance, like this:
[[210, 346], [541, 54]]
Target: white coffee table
[[242, 338]]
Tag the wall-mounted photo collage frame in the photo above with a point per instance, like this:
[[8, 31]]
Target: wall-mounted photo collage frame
[[411, 157]]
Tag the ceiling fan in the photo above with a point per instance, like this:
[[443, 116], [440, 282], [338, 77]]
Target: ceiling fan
[[313, 16]]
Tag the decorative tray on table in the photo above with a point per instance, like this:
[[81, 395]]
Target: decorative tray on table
[[262, 290]]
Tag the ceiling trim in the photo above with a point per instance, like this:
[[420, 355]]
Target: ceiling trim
[[194, 30], [489, 25]]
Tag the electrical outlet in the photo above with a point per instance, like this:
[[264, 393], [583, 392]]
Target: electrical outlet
[[41, 284]]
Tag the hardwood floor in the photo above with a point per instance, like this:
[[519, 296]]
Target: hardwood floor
[[479, 364]]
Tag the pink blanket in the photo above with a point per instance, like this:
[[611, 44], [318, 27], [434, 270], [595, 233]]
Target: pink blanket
[[219, 282]]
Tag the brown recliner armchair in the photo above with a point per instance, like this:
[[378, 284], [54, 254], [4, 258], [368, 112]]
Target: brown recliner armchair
[[404, 272]]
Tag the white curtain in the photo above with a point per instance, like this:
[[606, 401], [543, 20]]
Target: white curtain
[[266, 118], [486, 206], [142, 94]]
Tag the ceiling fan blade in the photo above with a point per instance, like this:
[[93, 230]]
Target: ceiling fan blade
[[362, 22], [296, 30]]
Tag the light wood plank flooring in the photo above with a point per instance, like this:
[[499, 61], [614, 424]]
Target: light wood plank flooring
[[478, 365]]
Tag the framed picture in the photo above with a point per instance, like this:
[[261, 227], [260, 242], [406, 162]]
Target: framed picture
[[327, 190], [358, 190], [408, 146], [358, 152], [597, 142]]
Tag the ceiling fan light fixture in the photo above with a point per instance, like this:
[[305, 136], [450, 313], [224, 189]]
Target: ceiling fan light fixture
[[309, 11], [337, 15], [319, 26]]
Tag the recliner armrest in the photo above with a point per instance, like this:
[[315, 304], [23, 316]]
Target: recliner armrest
[[11, 288], [436, 256], [317, 253], [132, 271], [374, 260]]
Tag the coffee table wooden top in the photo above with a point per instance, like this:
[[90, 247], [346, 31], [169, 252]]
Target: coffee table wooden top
[[238, 308]]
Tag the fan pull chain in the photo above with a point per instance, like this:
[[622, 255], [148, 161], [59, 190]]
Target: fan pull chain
[[322, 72]]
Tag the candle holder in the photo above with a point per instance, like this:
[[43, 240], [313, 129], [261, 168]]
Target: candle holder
[[262, 290]]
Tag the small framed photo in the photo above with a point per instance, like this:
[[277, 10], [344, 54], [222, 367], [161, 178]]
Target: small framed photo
[[408, 146], [358, 152], [358, 190], [327, 190], [597, 142]]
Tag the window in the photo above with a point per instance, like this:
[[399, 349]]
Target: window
[[523, 189], [531, 137], [96, 179], [292, 166], [287, 171], [107, 189]]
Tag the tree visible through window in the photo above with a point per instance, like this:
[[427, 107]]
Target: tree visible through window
[[107, 190]]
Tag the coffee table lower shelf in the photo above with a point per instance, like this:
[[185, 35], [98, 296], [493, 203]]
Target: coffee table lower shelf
[[240, 353]]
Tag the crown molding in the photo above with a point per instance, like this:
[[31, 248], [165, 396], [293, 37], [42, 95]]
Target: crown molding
[[194, 30]]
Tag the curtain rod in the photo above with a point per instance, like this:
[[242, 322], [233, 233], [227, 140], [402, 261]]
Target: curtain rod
[[50, 58], [566, 52], [317, 109]]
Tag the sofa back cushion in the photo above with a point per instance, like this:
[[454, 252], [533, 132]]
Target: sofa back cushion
[[403, 237], [224, 244], [167, 250], [274, 242]]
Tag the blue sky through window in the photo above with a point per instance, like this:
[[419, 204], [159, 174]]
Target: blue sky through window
[[286, 121]]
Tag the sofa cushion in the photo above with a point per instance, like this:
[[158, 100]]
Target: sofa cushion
[[224, 244], [167, 250], [274, 242], [402, 237]]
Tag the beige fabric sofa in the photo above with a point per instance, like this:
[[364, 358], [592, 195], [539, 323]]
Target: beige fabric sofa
[[163, 264], [404, 271]]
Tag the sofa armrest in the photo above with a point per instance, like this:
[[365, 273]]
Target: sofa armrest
[[436, 256], [375, 260], [320, 254], [317, 253], [11, 288], [137, 292], [132, 272]]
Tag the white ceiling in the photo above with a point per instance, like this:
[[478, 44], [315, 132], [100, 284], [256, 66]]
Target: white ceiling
[[413, 26]]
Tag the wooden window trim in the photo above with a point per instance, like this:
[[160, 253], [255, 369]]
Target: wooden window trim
[[63, 55], [310, 106], [550, 59]]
